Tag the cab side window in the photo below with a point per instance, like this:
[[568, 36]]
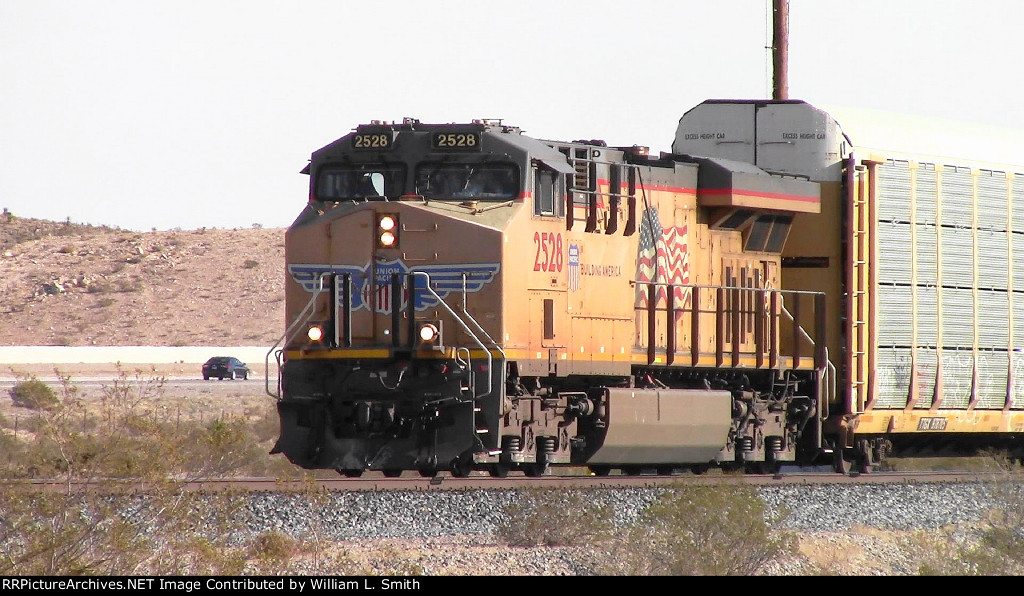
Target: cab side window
[[548, 193]]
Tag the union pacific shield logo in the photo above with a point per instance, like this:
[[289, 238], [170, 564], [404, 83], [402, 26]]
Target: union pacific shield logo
[[444, 280], [574, 267]]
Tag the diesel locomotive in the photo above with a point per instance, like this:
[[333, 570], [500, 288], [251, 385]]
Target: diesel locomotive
[[465, 297]]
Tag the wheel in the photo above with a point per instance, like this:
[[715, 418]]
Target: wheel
[[631, 470], [499, 470], [352, 473], [245, 376], [601, 470], [221, 377], [697, 470], [665, 470], [535, 469], [762, 467], [392, 473], [206, 377], [461, 467], [839, 462], [862, 458]]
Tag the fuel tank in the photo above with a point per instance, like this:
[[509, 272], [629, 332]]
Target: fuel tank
[[664, 426]]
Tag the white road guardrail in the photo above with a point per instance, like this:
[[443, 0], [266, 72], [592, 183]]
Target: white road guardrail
[[252, 355]]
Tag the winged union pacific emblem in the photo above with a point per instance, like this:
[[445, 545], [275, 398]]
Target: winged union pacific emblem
[[444, 279]]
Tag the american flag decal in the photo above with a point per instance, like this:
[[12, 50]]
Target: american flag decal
[[664, 258]]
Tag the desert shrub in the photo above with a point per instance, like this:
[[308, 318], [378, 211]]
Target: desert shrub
[[99, 531], [34, 395], [250, 264], [701, 530], [221, 447], [130, 285], [10, 446], [554, 517], [273, 545], [100, 286], [272, 551], [94, 527], [389, 560], [197, 536], [266, 425]]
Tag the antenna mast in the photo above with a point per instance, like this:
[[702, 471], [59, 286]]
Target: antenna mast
[[780, 49]]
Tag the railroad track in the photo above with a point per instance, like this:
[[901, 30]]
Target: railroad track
[[379, 482]]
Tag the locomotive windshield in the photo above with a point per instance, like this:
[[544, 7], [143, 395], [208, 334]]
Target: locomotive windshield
[[483, 181], [360, 182]]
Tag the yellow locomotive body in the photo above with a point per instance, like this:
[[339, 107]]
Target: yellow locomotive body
[[462, 296]]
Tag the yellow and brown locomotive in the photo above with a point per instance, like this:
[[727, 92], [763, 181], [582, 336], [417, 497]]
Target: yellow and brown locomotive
[[464, 296]]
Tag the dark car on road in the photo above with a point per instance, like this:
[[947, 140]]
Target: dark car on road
[[225, 367]]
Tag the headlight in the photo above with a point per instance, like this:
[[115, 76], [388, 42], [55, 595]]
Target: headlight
[[387, 230], [428, 333], [315, 333]]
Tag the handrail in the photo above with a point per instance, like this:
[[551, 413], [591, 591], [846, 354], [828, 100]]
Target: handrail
[[479, 327], [826, 372], [472, 374], [798, 326], [831, 385], [465, 327], [800, 334], [302, 318]]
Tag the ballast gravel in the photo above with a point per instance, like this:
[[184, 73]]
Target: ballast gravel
[[420, 514], [453, 532]]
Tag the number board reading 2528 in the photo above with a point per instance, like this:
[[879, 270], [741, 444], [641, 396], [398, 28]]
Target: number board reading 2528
[[372, 140], [456, 141]]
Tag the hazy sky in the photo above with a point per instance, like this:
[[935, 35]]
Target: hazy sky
[[143, 114]]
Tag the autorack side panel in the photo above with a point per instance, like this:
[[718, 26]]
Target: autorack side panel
[[948, 309]]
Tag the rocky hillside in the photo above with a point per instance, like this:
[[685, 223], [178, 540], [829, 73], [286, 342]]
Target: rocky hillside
[[66, 284]]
